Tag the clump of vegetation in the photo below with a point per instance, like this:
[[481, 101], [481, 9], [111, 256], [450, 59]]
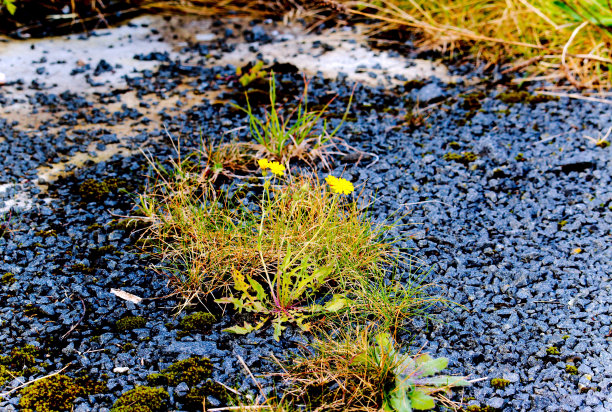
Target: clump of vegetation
[[130, 322], [464, 158], [297, 135], [82, 268], [499, 383], [520, 157], [93, 190], [197, 322], [8, 278], [192, 371], [571, 369], [46, 233], [57, 393], [553, 351], [142, 399], [366, 372], [560, 38], [523, 96], [255, 72]]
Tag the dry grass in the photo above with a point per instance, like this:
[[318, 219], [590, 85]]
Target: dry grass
[[554, 40], [361, 369], [204, 234]]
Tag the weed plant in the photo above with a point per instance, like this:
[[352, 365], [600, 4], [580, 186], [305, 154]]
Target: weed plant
[[293, 135], [277, 231], [363, 370]]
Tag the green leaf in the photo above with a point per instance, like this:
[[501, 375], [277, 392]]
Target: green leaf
[[241, 330], [10, 6], [445, 380], [337, 303], [399, 400], [278, 327], [429, 366], [261, 294], [238, 303], [420, 401]]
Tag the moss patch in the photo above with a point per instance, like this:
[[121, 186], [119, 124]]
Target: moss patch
[[131, 322], [93, 190], [196, 322], [553, 351], [571, 369], [464, 158], [499, 383], [513, 97], [56, 393], [8, 279], [192, 371], [142, 399]]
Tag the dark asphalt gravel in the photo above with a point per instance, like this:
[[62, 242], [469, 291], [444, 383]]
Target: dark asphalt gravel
[[520, 237]]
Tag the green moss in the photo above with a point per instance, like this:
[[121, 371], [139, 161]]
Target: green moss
[[57, 393], [571, 369], [98, 252], [602, 143], [20, 358], [93, 227], [499, 383], [454, 145], [464, 158], [192, 371], [31, 310], [130, 322], [93, 190], [478, 408], [8, 279], [562, 223], [520, 157], [513, 97], [565, 337], [142, 399], [553, 351], [198, 321], [46, 233], [84, 269], [128, 347], [196, 396]]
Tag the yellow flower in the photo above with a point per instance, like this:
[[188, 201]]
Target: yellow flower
[[276, 168], [264, 164], [340, 185]]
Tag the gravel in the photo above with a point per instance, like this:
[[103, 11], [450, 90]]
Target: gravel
[[520, 237]]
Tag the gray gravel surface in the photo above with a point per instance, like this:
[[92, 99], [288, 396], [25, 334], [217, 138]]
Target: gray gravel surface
[[520, 237]]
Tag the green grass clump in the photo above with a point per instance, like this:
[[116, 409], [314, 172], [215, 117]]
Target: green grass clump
[[142, 399], [130, 322]]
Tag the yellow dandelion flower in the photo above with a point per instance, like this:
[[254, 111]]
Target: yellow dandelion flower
[[263, 163], [340, 185], [276, 168]]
